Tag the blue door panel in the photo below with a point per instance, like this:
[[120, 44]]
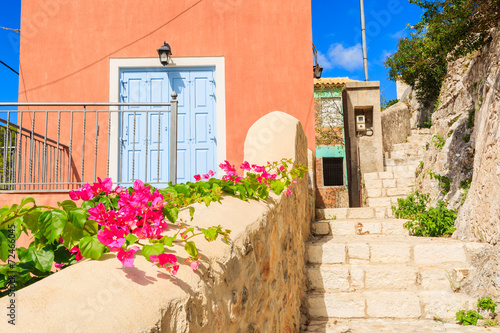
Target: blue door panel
[[196, 145]]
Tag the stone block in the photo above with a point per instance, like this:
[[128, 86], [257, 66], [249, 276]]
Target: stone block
[[390, 278], [389, 183], [405, 182], [379, 202], [374, 192], [386, 175], [394, 228], [342, 228], [357, 277], [439, 252], [361, 213], [392, 305], [400, 168], [326, 253], [370, 176], [338, 305], [398, 191], [329, 278], [330, 213], [435, 278], [373, 183], [380, 212], [368, 228], [445, 305], [406, 174], [321, 228], [390, 253], [358, 252], [388, 169]]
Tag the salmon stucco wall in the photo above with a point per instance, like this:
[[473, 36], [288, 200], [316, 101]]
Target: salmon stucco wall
[[266, 45]]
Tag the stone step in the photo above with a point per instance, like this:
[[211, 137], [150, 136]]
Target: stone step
[[341, 325], [387, 201], [428, 304], [388, 277], [364, 249], [359, 227], [401, 168], [372, 177], [402, 161], [345, 213], [379, 193]]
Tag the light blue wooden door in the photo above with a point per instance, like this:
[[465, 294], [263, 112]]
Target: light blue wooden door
[[144, 136], [196, 142]]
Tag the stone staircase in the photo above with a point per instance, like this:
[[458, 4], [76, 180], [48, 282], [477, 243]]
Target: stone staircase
[[366, 274], [363, 269], [382, 189]]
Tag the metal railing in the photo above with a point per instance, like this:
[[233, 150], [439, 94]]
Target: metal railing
[[64, 147]]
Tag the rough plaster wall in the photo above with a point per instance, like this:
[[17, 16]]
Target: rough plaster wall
[[472, 84], [395, 125]]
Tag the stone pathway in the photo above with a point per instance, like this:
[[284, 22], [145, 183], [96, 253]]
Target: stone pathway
[[366, 274]]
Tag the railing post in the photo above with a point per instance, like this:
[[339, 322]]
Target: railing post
[[173, 138]]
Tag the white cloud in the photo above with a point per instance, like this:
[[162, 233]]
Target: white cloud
[[324, 62], [385, 55], [350, 58], [400, 34]]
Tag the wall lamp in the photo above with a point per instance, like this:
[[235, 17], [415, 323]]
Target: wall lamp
[[164, 52]]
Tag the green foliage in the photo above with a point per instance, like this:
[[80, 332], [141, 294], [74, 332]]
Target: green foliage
[[438, 141], [466, 138], [470, 119], [61, 233], [420, 168], [444, 182], [465, 185], [384, 103], [434, 222], [412, 206], [448, 30], [486, 303], [490, 322], [467, 318], [427, 124]]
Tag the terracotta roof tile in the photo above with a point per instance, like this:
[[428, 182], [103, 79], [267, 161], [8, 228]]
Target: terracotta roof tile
[[331, 81]]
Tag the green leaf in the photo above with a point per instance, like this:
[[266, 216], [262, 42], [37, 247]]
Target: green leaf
[[90, 247], [43, 258], [25, 201], [207, 200], [191, 212], [67, 205], [191, 249], [78, 217], [91, 227], [88, 204], [71, 235], [168, 241], [172, 214], [210, 234], [4, 245], [31, 220], [52, 224], [130, 239], [277, 187], [156, 249]]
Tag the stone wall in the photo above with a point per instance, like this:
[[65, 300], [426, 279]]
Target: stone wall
[[468, 119], [257, 284], [395, 125]]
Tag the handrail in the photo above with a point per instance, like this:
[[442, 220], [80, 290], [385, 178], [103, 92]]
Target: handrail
[[34, 133]]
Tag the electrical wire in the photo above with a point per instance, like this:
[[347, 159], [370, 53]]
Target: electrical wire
[[12, 69]]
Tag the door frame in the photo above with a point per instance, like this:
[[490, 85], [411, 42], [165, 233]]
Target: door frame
[[115, 66]]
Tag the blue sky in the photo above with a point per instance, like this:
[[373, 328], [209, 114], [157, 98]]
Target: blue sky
[[336, 34]]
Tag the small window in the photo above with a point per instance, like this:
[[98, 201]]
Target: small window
[[333, 171]]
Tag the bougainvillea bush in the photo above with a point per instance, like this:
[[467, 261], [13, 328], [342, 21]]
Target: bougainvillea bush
[[101, 218]]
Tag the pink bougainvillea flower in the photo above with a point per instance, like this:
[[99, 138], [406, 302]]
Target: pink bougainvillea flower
[[288, 192], [127, 256], [76, 250], [98, 213], [246, 166], [102, 186], [211, 173], [258, 168], [282, 168], [207, 176], [56, 265], [85, 193], [194, 264], [197, 178], [111, 236], [165, 260]]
